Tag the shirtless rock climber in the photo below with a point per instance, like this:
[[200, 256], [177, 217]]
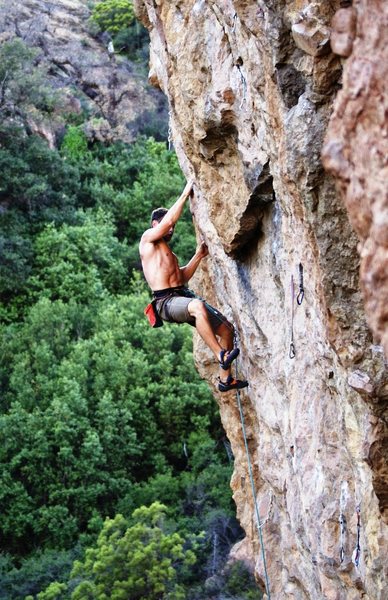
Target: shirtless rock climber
[[174, 301]]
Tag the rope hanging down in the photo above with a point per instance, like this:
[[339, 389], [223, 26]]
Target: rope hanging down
[[259, 525]]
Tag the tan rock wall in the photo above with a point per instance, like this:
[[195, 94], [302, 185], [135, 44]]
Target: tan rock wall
[[356, 148], [251, 87]]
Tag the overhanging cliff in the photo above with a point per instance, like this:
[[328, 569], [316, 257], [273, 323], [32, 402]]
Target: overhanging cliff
[[251, 87]]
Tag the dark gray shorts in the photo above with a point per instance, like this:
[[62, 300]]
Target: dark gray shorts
[[174, 308]]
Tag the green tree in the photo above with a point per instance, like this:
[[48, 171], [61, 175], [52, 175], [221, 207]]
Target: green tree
[[99, 414], [23, 84], [79, 262], [35, 573], [85, 398], [138, 561], [74, 144], [113, 15]]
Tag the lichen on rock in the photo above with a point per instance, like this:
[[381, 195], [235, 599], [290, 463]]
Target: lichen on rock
[[251, 93]]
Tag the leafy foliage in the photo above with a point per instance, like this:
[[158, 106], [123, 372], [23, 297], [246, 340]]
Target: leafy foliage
[[129, 37], [22, 83], [137, 561], [113, 15], [34, 573], [99, 414], [87, 415], [74, 145]]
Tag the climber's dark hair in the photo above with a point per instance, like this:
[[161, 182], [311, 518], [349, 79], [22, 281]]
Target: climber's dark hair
[[158, 214]]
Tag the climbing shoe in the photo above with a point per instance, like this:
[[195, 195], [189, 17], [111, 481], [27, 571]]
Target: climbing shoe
[[231, 384], [227, 357]]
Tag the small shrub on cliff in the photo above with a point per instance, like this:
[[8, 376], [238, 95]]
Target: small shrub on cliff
[[129, 37], [75, 144], [23, 84]]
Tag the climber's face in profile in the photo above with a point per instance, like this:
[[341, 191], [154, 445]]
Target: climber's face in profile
[[169, 234]]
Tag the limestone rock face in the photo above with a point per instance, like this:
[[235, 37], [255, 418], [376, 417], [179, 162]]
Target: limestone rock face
[[89, 76], [251, 87], [356, 148]]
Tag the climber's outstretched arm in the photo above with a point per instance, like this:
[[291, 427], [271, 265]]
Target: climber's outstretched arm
[[170, 218]]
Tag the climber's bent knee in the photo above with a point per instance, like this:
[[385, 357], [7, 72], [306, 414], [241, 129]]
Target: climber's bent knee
[[196, 308]]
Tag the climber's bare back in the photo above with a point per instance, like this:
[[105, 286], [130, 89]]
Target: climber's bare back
[[160, 265]]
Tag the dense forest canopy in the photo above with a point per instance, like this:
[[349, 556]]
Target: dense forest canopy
[[109, 440]]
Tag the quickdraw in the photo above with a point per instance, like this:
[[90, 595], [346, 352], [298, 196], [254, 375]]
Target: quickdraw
[[300, 295], [342, 521], [170, 138], [234, 22], [292, 352], [244, 85], [357, 551]]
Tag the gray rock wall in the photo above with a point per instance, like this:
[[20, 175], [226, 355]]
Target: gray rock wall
[[251, 88], [89, 78]]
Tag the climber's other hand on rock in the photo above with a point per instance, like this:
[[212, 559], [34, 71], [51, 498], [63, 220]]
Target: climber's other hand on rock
[[203, 250]]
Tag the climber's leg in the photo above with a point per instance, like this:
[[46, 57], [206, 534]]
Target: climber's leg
[[225, 332], [226, 381], [207, 322], [197, 310]]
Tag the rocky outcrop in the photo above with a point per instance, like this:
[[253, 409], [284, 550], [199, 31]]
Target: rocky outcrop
[[107, 91], [251, 87], [356, 148]]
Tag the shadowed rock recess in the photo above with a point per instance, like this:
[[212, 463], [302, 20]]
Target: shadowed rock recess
[[251, 87]]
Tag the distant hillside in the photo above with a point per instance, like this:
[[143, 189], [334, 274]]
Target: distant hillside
[[98, 86]]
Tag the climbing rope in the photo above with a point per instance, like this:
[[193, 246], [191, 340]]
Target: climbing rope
[[259, 525], [291, 352], [357, 551]]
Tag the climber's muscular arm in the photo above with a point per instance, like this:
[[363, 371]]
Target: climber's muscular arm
[[188, 270], [170, 218]]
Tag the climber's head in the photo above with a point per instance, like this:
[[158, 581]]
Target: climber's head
[[156, 216]]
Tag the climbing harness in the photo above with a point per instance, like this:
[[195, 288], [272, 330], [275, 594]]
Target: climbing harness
[[300, 295], [259, 524], [357, 552], [291, 352]]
